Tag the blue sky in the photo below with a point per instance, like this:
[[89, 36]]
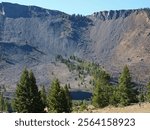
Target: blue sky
[[84, 7]]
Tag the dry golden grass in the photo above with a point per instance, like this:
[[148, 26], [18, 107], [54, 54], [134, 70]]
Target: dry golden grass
[[143, 108]]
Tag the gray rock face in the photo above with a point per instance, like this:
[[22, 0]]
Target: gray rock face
[[110, 15], [31, 37]]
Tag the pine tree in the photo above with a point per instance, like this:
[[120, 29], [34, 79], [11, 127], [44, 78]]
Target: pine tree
[[100, 98], [53, 97], [21, 102], [114, 98], [126, 91], [59, 99], [2, 103], [102, 90], [63, 104], [148, 92], [13, 105], [27, 98], [36, 103], [97, 99], [43, 96], [68, 99], [6, 106], [141, 95]]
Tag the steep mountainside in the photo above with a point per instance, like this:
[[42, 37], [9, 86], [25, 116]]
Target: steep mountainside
[[122, 37], [32, 36]]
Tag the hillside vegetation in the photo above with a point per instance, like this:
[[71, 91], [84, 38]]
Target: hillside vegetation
[[107, 96]]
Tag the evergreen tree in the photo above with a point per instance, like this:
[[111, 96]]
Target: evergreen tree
[[102, 90], [36, 103], [126, 90], [13, 105], [27, 98], [114, 98], [6, 106], [100, 95], [2, 103], [43, 96], [21, 102], [63, 104], [148, 92], [141, 95], [59, 99], [65, 100], [98, 99], [68, 99], [54, 97]]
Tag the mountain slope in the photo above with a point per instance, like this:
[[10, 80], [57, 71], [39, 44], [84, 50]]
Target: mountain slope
[[123, 40], [32, 36]]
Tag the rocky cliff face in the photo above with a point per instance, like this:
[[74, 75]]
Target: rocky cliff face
[[113, 15], [32, 36]]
